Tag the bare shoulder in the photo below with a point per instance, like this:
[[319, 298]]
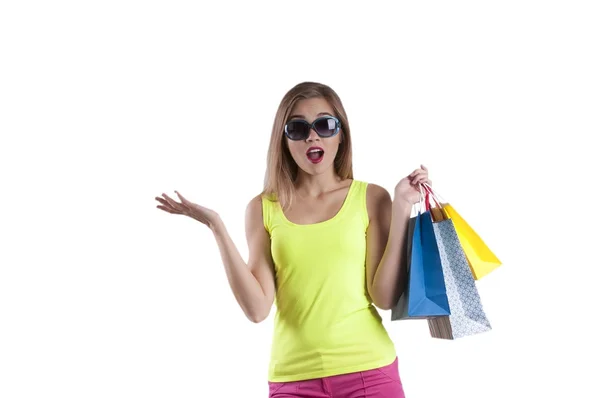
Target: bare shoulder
[[255, 204], [378, 199], [377, 191], [376, 194], [254, 209]]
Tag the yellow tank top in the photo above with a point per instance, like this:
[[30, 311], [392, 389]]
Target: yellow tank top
[[325, 322]]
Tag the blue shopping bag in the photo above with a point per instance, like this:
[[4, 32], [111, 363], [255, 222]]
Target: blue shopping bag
[[425, 294]]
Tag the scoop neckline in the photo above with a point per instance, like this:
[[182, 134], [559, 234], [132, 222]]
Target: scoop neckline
[[325, 222]]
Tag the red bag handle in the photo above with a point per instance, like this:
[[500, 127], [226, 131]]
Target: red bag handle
[[430, 194]]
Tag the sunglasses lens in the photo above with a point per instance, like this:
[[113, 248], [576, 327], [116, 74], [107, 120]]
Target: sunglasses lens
[[326, 127], [297, 130]]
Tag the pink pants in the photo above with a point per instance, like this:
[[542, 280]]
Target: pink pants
[[382, 382]]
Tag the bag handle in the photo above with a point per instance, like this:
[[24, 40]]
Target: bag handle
[[435, 194], [429, 194], [421, 200]]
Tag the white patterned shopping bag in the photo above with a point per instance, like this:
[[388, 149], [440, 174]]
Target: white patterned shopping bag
[[467, 316]]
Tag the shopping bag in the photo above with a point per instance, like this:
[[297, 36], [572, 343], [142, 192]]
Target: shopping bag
[[481, 259], [425, 293], [467, 316]]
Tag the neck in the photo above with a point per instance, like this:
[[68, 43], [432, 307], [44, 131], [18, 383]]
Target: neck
[[315, 185]]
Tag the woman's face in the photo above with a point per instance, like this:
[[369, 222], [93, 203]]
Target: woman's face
[[314, 154]]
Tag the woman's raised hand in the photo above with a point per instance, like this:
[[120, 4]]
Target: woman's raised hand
[[408, 187], [203, 214]]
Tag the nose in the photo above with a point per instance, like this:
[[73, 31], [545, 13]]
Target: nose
[[312, 135]]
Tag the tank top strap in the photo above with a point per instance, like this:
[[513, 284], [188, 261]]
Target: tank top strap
[[269, 210], [357, 201]]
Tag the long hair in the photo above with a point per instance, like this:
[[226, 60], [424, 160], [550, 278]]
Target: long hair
[[282, 170]]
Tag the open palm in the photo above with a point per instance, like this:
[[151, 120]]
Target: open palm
[[203, 214]]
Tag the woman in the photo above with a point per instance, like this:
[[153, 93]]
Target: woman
[[326, 247]]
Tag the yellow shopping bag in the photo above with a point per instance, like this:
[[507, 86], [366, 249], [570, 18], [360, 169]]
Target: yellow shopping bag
[[481, 259]]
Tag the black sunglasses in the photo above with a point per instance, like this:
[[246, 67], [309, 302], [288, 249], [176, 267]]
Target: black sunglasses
[[326, 126]]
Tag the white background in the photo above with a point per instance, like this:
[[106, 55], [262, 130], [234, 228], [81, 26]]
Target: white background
[[105, 105]]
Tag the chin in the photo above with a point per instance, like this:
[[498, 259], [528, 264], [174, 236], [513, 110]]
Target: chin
[[316, 169]]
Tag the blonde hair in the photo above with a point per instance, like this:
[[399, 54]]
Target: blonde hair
[[282, 170]]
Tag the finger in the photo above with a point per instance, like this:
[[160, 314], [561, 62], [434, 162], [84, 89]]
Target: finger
[[183, 200], [420, 179], [424, 168], [161, 200], [168, 209], [165, 203], [418, 174], [173, 203], [416, 180]]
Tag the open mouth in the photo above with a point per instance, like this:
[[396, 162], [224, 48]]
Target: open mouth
[[315, 154]]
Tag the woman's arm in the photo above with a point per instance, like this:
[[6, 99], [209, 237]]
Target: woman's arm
[[386, 237], [253, 284], [386, 241]]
